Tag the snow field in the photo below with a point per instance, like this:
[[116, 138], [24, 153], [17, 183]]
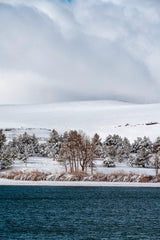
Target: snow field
[[103, 117], [53, 166]]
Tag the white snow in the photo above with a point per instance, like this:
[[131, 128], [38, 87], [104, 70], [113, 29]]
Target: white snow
[[37, 163], [54, 167], [8, 182], [103, 117], [122, 167]]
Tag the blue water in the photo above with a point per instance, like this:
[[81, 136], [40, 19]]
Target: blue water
[[68, 213]]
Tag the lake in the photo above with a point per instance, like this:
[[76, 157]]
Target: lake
[[79, 213]]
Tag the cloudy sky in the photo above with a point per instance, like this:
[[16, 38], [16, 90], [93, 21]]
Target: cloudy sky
[[57, 50]]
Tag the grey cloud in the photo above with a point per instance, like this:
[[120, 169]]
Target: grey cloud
[[87, 49]]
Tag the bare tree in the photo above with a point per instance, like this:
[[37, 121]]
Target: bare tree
[[69, 151], [87, 152], [77, 152]]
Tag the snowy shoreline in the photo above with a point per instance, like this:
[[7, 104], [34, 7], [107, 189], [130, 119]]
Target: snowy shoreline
[[7, 182]]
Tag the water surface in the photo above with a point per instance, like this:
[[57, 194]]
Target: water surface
[[79, 213]]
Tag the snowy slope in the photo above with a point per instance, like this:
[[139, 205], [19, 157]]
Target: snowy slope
[[104, 117]]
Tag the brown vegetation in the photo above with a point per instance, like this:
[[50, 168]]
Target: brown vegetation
[[145, 179], [77, 152], [119, 176]]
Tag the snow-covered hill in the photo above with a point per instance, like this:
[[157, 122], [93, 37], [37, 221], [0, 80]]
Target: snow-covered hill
[[103, 117]]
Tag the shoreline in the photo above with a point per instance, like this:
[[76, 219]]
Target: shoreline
[[7, 182]]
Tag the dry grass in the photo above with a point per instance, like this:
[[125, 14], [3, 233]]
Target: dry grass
[[119, 176], [146, 179], [34, 175], [11, 174]]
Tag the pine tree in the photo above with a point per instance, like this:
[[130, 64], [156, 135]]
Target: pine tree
[[24, 144], [2, 138], [54, 144], [140, 143], [112, 147], [156, 145], [141, 159], [6, 157], [97, 145]]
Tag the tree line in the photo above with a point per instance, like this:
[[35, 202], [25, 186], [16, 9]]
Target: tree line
[[76, 151]]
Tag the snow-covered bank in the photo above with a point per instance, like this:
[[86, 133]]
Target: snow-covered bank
[[48, 165], [103, 117], [6, 182]]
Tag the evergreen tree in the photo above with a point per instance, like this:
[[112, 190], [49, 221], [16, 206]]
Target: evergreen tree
[[54, 144], [140, 143], [141, 159], [6, 157], [156, 145], [2, 138], [26, 144], [97, 145], [112, 147]]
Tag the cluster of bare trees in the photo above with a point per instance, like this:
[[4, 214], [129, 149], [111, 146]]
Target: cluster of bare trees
[[77, 152]]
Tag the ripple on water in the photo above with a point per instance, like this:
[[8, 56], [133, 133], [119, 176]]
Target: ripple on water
[[78, 213]]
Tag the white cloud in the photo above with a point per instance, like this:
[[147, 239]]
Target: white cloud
[[87, 49]]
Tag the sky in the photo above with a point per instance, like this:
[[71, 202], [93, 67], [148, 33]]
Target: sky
[[60, 50]]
